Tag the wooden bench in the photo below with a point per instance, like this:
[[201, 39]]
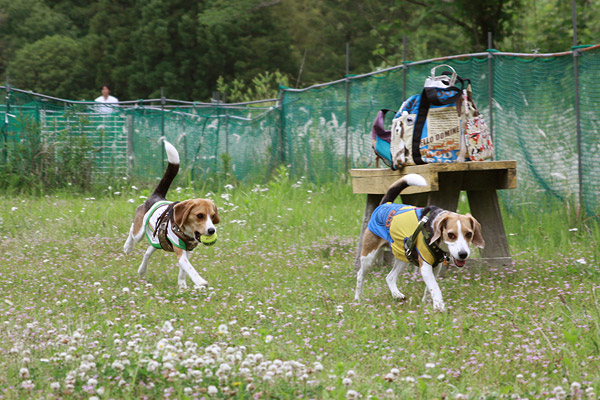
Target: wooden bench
[[446, 180]]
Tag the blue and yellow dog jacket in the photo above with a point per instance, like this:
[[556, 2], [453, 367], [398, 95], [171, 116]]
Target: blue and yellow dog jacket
[[396, 223]]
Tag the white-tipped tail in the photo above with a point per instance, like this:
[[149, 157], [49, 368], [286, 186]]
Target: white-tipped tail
[[172, 154], [415, 180]]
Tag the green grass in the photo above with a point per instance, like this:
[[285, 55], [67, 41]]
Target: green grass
[[280, 311]]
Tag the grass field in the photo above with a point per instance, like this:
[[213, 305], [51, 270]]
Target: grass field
[[279, 320]]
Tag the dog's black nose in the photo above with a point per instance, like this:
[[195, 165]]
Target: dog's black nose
[[211, 231], [462, 255]]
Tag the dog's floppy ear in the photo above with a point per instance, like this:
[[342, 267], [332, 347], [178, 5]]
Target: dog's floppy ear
[[477, 238], [181, 211], [215, 218], [438, 225]]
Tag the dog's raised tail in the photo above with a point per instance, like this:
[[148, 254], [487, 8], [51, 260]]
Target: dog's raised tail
[[397, 187], [171, 172]]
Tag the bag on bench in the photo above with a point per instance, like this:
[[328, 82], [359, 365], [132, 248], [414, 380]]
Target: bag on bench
[[442, 124], [381, 138]]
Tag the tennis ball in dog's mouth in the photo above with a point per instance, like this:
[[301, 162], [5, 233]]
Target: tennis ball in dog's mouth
[[209, 240]]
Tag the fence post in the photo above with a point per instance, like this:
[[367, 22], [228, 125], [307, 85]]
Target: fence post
[[5, 130], [491, 85], [404, 67], [577, 108], [347, 104], [281, 127], [162, 121]]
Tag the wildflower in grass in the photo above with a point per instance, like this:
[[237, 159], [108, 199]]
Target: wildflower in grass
[[55, 386], [268, 338], [167, 327], [559, 392], [318, 366], [24, 373], [429, 365], [339, 309], [27, 385], [212, 390], [389, 377], [352, 394], [346, 382], [126, 290], [389, 394], [350, 374], [441, 377], [223, 330], [395, 372]]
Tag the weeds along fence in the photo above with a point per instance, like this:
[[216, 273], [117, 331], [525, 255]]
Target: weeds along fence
[[542, 109]]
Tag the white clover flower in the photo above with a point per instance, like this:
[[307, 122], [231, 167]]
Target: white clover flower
[[346, 382], [460, 396], [395, 371], [153, 365], [100, 390], [350, 374], [429, 365], [92, 382], [352, 394], [24, 373], [268, 338], [409, 379], [441, 377], [318, 366], [390, 394], [389, 377], [125, 290], [212, 390], [55, 386], [27, 385], [118, 365], [167, 327], [339, 309], [223, 329]]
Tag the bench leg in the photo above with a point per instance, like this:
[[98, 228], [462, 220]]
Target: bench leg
[[485, 208]]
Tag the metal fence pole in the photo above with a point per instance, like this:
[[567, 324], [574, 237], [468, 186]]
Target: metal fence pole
[[162, 121], [404, 67], [577, 108], [347, 104], [491, 85], [5, 130]]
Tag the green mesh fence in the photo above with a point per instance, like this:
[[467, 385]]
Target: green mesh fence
[[321, 131]]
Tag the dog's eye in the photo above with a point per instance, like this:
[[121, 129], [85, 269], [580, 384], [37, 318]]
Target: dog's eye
[[451, 236], [469, 235], [200, 216]]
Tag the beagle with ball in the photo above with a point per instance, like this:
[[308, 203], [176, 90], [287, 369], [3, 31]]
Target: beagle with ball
[[419, 236], [173, 226]]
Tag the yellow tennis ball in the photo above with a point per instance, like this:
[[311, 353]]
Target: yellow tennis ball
[[209, 240]]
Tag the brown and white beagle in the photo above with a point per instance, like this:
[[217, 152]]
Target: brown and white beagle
[[173, 226], [418, 236]]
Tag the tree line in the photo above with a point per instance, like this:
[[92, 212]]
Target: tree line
[[245, 48]]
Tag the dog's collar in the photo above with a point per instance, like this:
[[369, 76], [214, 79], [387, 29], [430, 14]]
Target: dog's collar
[[410, 243], [162, 225]]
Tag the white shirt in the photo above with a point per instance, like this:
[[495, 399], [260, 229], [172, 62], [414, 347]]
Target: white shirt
[[105, 109]]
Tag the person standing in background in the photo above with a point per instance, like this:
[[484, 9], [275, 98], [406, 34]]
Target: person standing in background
[[106, 98]]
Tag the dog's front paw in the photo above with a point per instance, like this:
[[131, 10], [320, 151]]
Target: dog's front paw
[[142, 271], [439, 306], [396, 294]]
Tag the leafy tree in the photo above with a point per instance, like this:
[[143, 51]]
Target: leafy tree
[[25, 21], [49, 66]]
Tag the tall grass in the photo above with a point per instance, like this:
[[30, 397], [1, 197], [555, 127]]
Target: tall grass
[[279, 320]]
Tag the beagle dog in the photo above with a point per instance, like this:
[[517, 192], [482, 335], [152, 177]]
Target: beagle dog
[[418, 236], [173, 226]]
